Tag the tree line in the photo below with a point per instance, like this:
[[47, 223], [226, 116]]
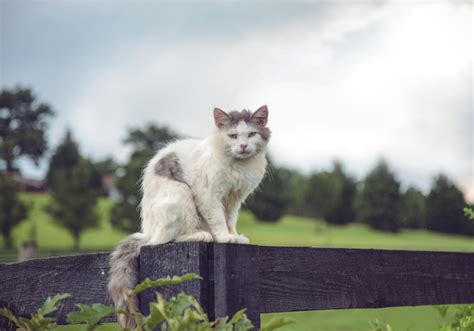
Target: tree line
[[75, 183], [376, 200]]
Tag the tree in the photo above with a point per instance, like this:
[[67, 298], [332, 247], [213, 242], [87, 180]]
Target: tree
[[296, 185], [322, 193], [268, 203], [22, 126], [380, 199], [145, 143], [12, 210], [151, 138], [412, 212], [75, 186], [444, 208], [343, 211], [125, 213], [106, 166]]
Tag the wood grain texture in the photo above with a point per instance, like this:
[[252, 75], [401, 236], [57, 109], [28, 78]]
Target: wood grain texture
[[24, 286], [175, 259], [237, 282], [295, 279]]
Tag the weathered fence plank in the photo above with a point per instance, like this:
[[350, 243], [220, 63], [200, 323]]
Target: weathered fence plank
[[261, 279], [24, 286], [296, 279]]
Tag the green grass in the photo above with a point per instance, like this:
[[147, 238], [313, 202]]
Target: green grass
[[290, 231], [300, 231], [50, 236]]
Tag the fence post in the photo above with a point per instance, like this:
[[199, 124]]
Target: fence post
[[236, 281], [175, 259]]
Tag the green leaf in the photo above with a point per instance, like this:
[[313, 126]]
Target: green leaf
[[39, 322], [192, 315], [148, 283], [155, 317], [243, 324], [161, 305], [276, 323], [178, 304], [27, 324], [5, 312], [240, 321], [442, 310], [199, 309], [237, 316], [51, 304], [189, 320], [469, 212], [220, 324], [90, 314]]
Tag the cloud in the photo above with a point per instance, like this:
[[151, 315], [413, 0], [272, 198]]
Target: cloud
[[347, 81]]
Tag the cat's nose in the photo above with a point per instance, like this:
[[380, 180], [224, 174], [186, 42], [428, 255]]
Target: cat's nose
[[243, 146]]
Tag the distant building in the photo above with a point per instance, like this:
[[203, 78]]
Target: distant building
[[27, 185], [109, 183]]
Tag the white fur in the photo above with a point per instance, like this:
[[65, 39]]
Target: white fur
[[217, 180]]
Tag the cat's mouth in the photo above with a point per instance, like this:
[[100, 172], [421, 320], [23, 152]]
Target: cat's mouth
[[243, 154]]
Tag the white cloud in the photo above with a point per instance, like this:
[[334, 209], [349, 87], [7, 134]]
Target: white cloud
[[356, 83]]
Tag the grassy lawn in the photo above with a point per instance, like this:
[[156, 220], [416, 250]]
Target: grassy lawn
[[290, 231], [299, 231], [50, 236]]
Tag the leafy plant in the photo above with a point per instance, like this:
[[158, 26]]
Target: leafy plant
[[442, 311], [469, 212], [38, 320], [91, 315], [180, 313], [463, 319]]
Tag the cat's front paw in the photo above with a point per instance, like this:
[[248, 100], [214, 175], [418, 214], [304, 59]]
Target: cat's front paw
[[241, 239], [231, 238], [225, 238]]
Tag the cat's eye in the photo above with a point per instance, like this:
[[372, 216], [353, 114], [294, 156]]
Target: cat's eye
[[251, 134], [233, 136]]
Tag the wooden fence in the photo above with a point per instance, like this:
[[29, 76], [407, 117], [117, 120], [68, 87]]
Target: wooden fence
[[261, 279]]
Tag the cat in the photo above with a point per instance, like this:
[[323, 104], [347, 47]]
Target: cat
[[192, 191]]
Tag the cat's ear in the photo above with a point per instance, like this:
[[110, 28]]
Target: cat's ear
[[260, 117], [221, 118]]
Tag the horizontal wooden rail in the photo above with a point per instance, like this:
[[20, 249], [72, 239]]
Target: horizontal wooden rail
[[261, 279]]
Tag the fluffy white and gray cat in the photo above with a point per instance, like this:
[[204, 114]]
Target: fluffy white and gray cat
[[193, 190]]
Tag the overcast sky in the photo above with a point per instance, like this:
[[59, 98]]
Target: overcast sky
[[348, 80]]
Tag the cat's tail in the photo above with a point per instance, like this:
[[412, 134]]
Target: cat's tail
[[123, 276]]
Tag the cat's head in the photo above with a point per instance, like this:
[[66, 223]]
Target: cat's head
[[243, 132]]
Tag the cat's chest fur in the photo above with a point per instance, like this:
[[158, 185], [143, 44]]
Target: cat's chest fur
[[236, 180], [240, 179]]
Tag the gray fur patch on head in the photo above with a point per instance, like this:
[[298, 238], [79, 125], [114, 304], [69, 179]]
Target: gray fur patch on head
[[237, 116], [168, 166], [225, 120]]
